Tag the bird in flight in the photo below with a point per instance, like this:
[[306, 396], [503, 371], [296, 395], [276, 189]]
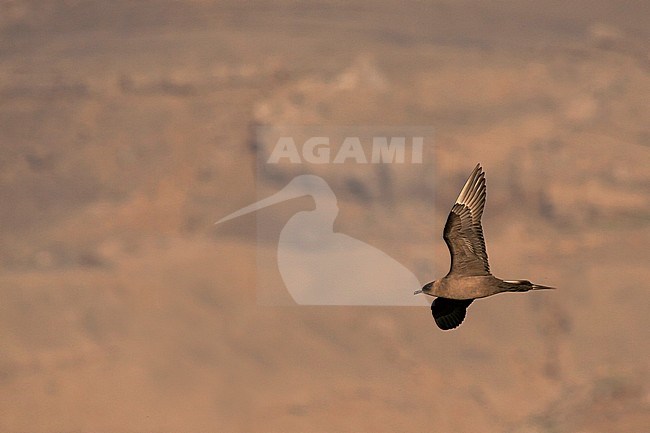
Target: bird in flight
[[469, 276]]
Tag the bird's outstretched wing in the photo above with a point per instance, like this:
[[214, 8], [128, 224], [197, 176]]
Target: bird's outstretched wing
[[463, 232], [449, 313]]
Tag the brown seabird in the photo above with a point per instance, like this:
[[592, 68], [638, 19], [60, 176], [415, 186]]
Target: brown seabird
[[469, 276]]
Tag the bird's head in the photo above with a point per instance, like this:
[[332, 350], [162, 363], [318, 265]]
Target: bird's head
[[426, 289]]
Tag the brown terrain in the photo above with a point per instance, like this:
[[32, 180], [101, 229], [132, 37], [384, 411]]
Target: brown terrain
[[127, 130]]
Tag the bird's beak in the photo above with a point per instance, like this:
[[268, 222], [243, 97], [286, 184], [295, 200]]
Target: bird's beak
[[417, 292]]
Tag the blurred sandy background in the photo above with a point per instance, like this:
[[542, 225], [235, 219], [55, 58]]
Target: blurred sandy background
[[125, 132]]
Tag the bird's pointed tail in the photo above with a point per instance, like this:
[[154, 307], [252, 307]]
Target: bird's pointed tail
[[540, 287], [524, 286]]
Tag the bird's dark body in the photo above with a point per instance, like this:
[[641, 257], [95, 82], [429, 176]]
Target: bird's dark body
[[461, 288], [469, 275], [458, 287]]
